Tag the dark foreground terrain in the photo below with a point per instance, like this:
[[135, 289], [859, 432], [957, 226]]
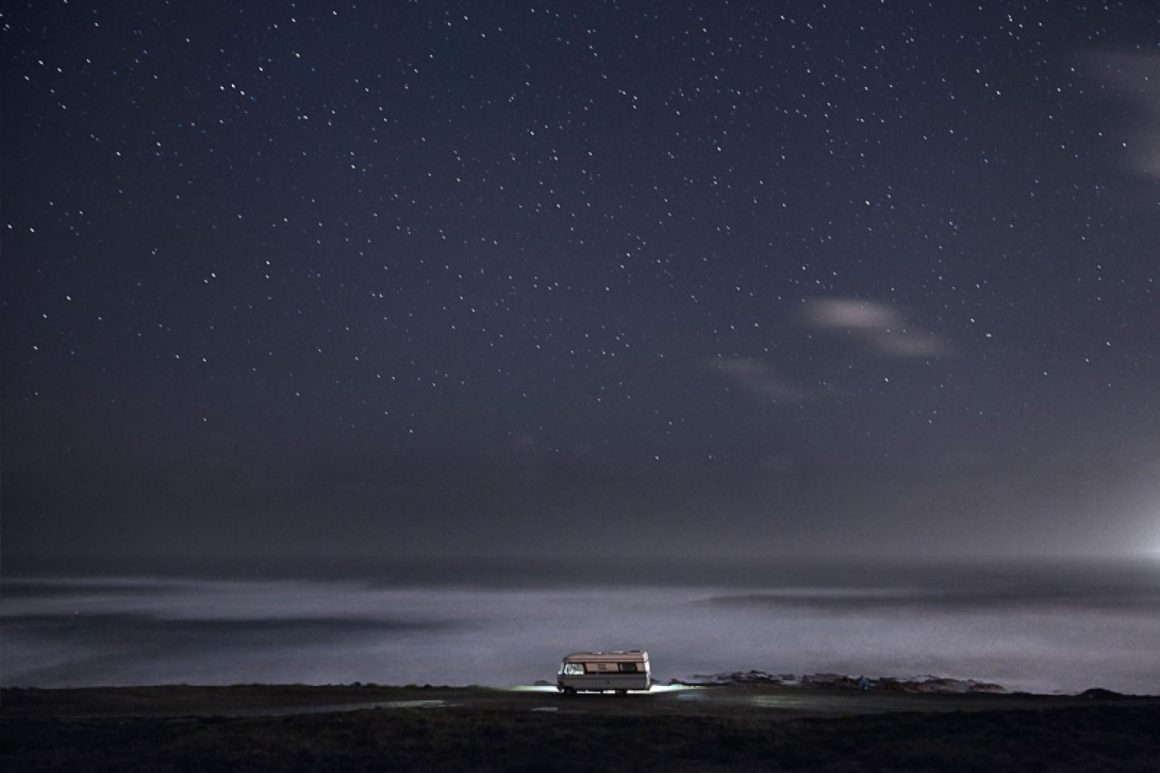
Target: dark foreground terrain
[[251, 728]]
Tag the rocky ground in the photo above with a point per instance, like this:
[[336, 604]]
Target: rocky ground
[[917, 684], [743, 725]]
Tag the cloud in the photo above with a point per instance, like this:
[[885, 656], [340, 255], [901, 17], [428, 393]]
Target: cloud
[[879, 326], [759, 379], [909, 343], [1135, 80], [842, 314]]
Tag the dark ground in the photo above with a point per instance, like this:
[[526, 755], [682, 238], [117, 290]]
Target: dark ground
[[251, 728]]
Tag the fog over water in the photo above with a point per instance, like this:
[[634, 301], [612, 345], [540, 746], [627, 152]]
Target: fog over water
[[1039, 627]]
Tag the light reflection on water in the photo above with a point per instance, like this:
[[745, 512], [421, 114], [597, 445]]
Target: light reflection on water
[[1054, 631]]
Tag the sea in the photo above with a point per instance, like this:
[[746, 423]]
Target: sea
[[1035, 626]]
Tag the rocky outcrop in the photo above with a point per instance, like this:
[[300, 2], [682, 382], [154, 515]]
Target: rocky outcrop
[[936, 684], [757, 678], [918, 684]]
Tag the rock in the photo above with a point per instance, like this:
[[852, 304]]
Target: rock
[[937, 684], [918, 684], [840, 681]]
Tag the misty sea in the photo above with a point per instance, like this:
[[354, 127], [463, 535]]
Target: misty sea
[[1040, 627]]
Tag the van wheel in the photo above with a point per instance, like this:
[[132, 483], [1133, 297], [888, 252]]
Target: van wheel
[[622, 692], [569, 690]]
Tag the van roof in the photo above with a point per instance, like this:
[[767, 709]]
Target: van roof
[[634, 656]]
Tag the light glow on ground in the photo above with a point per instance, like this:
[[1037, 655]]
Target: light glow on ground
[[654, 690]]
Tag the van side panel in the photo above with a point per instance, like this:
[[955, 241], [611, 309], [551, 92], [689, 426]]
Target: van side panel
[[607, 681], [605, 671]]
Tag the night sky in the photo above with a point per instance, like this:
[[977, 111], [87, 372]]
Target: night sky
[[410, 278]]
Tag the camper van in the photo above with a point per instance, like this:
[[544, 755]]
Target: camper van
[[599, 671]]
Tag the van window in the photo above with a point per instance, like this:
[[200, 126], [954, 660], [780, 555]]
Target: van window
[[628, 668], [573, 669]]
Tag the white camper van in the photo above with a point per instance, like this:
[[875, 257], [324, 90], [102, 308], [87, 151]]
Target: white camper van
[[619, 670]]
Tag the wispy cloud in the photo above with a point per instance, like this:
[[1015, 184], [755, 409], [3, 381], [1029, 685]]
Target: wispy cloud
[[1135, 79], [844, 314], [877, 327], [758, 378], [880, 326]]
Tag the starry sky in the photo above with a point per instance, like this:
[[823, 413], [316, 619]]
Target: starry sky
[[447, 278]]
